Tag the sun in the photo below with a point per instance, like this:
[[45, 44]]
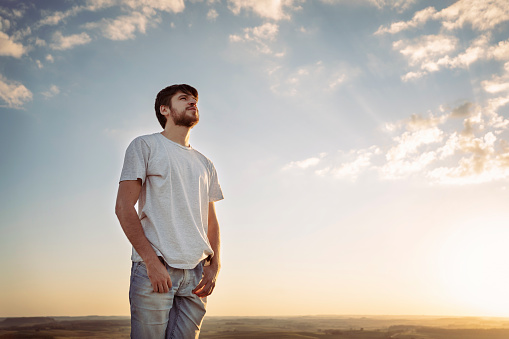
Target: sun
[[473, 265]]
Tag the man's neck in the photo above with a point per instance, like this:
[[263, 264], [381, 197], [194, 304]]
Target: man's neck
[[178, 134]]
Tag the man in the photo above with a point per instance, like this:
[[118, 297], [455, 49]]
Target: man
[[175, 234]]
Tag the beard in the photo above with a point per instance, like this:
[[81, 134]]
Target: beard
[[181, 118]]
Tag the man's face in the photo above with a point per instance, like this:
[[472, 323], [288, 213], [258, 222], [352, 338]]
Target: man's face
[[184, 111]]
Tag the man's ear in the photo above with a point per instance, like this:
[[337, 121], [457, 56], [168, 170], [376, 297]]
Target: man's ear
[[164, 110]]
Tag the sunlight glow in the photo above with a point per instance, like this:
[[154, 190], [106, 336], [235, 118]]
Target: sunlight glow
[[474, 265]]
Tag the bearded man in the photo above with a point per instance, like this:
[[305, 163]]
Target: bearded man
[[175, 232]]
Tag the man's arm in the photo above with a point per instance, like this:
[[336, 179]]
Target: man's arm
[[128, 193], [208, 282]]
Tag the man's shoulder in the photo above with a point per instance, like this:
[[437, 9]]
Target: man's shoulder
[[147, 139], [206, 161]]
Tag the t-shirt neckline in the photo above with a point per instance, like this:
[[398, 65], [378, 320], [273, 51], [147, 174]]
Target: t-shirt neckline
[[176, 143]]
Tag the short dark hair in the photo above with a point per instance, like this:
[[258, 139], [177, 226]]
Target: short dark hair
[[165, 95]]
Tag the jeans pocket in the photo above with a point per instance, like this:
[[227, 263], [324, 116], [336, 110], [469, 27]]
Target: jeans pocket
[[141, 270]]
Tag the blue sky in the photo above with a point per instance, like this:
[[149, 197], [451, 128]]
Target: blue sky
[[362, 147]]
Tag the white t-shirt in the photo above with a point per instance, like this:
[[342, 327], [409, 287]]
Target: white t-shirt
[[178, 183]]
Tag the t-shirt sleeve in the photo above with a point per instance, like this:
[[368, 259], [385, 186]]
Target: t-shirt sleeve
[[135, 161], [215, 192]]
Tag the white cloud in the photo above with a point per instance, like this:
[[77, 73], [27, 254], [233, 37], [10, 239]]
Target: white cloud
[[420, 18], [437, 52], [50, 58], [425, 49], [61, 42], [5, 24], [483, 162], [337, 81], [212, 14], [266, 31], [140, 14], [8, 47], [144, 6], [53, 90], [398, 5], [270, 9], [397, 169], [435, 148], [13, 93], [21, 34], [39, 42], [310, 162], [94, 5], [482, 15], [39, 64], [409, 143], [172, 6], [498, 83], [54, 18], [433, 52], [259, 36], [351, 170], [123, 27], [11, 13]]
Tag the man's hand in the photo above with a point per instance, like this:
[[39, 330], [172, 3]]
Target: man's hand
[[159, 277], [208, 281]]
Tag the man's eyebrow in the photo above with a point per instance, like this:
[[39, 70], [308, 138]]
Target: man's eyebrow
[[187, 95]]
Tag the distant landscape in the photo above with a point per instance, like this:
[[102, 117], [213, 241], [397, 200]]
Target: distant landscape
[[345, 327]]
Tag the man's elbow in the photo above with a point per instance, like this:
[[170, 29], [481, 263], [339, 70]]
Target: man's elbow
[[120, 209]]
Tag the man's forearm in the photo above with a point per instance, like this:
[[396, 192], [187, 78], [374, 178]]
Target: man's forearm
[[213, 235], [215, 243], [132, 228]]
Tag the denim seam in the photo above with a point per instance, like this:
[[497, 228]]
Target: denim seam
[[176, 302]]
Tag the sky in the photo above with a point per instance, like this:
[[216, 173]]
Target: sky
[[362, 148]]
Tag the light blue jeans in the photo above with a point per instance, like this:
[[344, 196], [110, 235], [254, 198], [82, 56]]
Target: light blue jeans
[[177, 314]]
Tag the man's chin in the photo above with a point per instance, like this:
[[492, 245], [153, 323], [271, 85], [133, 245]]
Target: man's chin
[[187, 118], [187, 122]]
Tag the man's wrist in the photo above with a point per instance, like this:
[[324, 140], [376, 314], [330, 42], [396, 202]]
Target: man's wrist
[[214, 261], [151, 260]]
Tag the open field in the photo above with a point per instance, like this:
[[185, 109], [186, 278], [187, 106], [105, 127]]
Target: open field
[[318, 327]]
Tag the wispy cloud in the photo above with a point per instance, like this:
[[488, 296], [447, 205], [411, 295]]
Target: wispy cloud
[[140, 15], [431, 53], [123, 27], [435, 52], [54, 18], [498, 83], [398, 5], [355, 162], [212, 14], [269, 9], [13, 93], [318, 76], [53, 90], [479, 14], [61, 42], [425, 49], [260, 37], [420, 18], [463, 145], [310, 162]]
